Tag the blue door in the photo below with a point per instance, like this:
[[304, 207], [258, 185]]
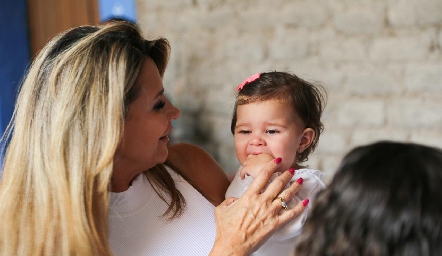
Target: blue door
[[14, 55]]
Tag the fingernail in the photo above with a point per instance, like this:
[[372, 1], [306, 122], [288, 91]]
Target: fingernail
[[305, 202], [292, 170], [300, 181], [278, 160]]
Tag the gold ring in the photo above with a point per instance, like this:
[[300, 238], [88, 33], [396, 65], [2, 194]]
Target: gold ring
[[283, 203]]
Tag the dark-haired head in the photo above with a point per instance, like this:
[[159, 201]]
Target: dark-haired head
[[385, 199]]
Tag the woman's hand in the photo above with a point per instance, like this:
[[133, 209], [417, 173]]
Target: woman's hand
[[244, 224]]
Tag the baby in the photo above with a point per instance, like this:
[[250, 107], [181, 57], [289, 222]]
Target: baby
[[278, 115]]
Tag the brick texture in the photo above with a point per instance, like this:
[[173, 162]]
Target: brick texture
[[379, 60]]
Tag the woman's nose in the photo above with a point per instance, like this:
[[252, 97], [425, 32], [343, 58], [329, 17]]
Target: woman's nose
[[174, 113]]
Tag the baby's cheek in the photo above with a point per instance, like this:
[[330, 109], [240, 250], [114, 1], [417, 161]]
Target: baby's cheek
[[242, 158], [286, 165]]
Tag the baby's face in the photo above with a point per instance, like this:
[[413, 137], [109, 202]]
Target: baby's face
[[268, 127]]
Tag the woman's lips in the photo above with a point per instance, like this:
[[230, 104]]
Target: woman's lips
[[165, 138]]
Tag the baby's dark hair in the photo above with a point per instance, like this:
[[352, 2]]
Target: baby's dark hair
[[306, 100], [385, 199]]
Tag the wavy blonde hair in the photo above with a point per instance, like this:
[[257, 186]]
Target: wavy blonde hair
[[67, 124]]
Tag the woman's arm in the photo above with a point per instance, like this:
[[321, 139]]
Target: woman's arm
[[202, 171]]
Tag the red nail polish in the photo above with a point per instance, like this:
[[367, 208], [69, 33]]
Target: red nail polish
[[278, 160], [300, 181], [292, 170], [305, 202]]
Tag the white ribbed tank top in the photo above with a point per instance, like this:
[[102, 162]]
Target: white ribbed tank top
[[137, 228]]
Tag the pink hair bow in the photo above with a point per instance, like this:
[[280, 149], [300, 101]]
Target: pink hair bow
[[248, 80]]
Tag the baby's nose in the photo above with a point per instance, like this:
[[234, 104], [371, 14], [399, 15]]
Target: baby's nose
[[257, 141]]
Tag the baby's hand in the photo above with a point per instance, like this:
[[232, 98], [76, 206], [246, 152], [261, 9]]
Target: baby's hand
[[253, 165]]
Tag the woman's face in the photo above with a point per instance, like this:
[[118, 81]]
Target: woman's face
[[147, 126]]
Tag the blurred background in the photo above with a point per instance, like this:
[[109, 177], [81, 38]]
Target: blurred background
[[379, 60]]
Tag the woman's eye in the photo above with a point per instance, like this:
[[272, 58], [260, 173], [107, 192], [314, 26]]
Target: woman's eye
[[272, 131], [159, 105]]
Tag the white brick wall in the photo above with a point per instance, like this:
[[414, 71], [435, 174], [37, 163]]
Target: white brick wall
[[359, 19], [380, 61]]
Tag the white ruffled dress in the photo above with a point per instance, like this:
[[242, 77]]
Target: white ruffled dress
[[283, 242]]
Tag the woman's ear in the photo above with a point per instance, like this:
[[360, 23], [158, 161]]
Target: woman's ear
[[307, 137]]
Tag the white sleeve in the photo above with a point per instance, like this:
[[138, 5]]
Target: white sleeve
[[311, 185], [238, 186]]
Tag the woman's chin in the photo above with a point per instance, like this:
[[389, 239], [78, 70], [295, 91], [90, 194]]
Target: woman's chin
[[162, 157]]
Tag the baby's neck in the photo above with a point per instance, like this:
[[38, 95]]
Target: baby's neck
[[297, 166]]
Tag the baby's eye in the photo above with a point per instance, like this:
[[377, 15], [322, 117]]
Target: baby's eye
[[244, 132], [272, 131]]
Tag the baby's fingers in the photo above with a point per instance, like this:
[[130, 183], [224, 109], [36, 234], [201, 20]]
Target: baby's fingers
[[242, 173]]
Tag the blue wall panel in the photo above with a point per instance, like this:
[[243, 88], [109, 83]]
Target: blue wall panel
[[119, 9], [14, 54]]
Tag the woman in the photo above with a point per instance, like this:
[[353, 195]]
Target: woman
[[91, 117]]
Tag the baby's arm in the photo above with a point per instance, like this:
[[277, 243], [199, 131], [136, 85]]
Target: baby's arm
[[253, 165]]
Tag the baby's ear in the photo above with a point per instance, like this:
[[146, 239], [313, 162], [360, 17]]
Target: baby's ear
[[307, 138]]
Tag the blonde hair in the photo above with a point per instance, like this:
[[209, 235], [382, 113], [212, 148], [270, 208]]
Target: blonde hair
[[67, 124]]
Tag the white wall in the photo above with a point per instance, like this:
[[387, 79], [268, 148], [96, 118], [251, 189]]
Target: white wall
[[380, 60]]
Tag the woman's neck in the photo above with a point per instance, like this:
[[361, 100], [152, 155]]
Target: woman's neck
[[122, 178]]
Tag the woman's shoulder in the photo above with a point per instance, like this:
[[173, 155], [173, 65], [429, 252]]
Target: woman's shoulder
[[186, 148], [184, 154], [201, 169]]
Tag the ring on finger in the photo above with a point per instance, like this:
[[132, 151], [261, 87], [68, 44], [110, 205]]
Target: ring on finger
[[283, 203]]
